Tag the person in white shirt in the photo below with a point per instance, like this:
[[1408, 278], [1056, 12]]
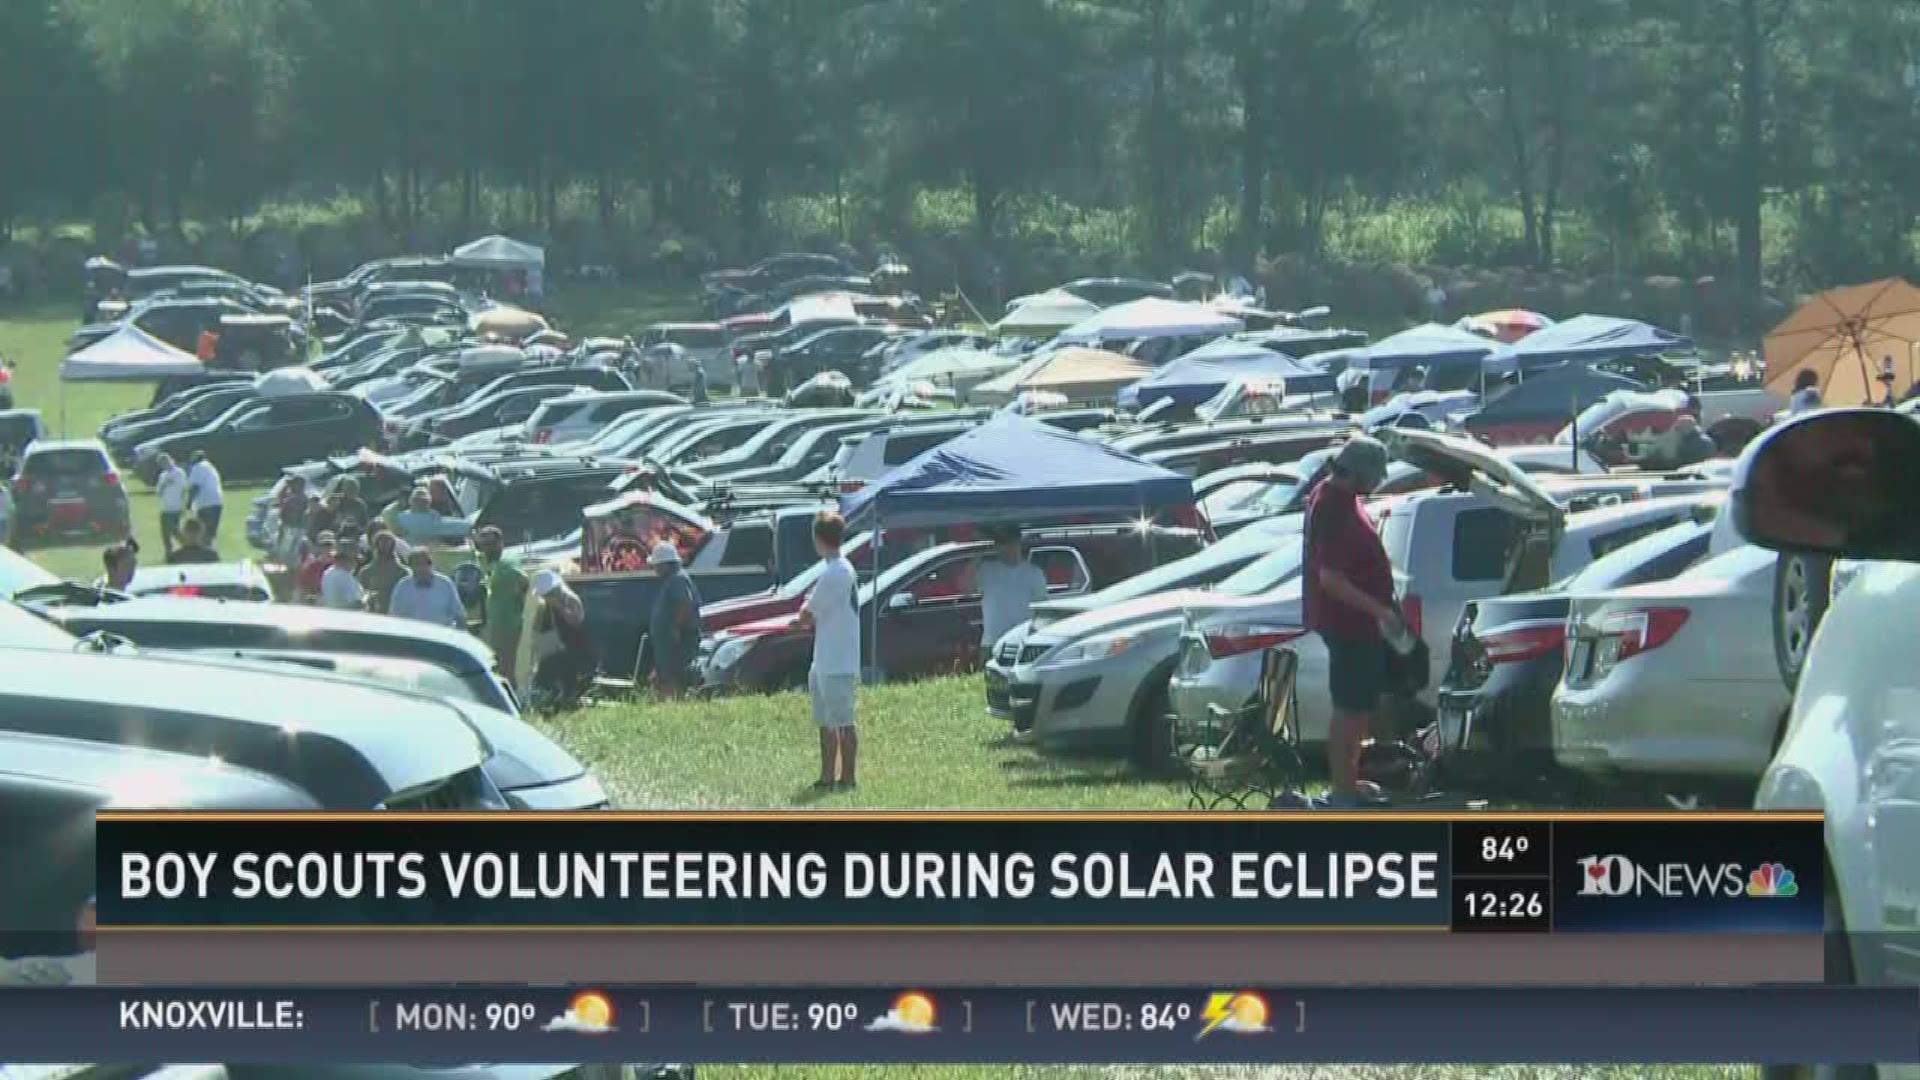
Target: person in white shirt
[[339, 588], [1806, 393], [426, 594], [204, 494], [1009, 585], [832, 612], [170, 488]]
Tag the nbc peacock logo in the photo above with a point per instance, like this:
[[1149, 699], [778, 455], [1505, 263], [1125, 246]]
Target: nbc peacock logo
[[1772, 879]]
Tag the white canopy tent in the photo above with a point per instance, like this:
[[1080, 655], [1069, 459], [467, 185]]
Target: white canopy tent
[[499, 253], [1045, 314], [129, 354], [1150, 318]]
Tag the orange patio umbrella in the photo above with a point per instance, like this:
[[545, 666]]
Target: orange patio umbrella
[[1506, 326], [1848, 338]]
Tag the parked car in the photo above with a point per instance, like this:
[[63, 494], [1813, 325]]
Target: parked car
[[1495, 701], [1667, 690], [898, 352], [705, 343], [66, 490], [868, 456], [839, 348], [774, 438], [256, 439], [242, 581], [775, 270], [1836, 485], [481, 412], [924, 621], [809, 451], [580, 415], [202, 408], [348, 746], [176, 321], [448, 666], [1276, 447], [1447, 548], [1107, 292]]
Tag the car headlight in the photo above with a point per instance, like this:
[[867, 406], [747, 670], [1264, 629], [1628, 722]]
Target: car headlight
[[1842, 575], [1095, 648], [728, 652]]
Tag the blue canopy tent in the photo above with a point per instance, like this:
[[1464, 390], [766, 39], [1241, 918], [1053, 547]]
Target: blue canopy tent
[[1428, 345], [1587, 337], [1008, 470], [1207, 370], [1539, 407]]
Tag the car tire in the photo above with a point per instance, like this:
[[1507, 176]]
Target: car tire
[[1801, 584], [1149, 729], [1840, 972]]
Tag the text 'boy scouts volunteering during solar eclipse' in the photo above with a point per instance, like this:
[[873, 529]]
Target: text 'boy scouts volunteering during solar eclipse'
[[808, 875]]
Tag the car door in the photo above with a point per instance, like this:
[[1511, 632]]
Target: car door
[[930, 624]]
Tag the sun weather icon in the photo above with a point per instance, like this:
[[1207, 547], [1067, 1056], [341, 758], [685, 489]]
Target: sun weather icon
[[1772, 879], [912, 1014], [589, 1013]]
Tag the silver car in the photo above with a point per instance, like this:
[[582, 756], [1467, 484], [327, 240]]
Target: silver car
[[1098, 679], [1672, 685]]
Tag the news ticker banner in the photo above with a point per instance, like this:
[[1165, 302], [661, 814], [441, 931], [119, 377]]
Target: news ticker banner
[[1208, 1025], [742, 871]]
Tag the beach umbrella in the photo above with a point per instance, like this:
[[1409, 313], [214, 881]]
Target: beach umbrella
[[1506, 326], [1850, 338]]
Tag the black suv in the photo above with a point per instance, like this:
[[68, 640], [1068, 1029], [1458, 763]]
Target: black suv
[[64, 491]]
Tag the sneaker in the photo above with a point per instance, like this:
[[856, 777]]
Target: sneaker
[[825, 785], [1293, 800], [1337, 800], [845, 785]]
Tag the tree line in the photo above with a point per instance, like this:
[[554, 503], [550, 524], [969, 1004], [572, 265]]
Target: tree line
[[1748, 138]]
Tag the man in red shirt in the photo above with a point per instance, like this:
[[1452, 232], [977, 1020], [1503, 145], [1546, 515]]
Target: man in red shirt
[[1347, 594]]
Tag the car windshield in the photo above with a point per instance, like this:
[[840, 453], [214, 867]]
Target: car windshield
[[1267, 572], [1611, 569], [64, 464]]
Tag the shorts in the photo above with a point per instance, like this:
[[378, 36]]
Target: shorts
[[1356, 672], [833, 699]]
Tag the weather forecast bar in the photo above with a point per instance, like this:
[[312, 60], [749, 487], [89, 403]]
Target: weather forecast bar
[[686, 872], [511, 1024]]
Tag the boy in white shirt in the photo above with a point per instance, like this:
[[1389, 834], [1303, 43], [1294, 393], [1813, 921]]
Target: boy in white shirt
[[832, 612]]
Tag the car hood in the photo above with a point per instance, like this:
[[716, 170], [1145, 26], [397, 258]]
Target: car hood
[[779, 624], [347, 760], [1479, 466], [523, 756], [1114, 616]]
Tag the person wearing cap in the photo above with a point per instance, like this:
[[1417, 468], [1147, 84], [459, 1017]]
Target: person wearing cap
[[339, 588], [383, 571], [673, 633], [1347, 597], [313, 569], [563, 674], [1009, 585], [505, 606], [426, 594]]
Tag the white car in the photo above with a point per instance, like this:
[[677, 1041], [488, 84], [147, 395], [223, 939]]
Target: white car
[[1837, 484], [579, 417], [1670, 687]]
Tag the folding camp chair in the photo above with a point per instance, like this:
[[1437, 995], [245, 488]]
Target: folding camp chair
[[614, 688], [1248, 759]]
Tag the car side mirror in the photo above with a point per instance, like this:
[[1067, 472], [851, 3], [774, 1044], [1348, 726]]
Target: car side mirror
[[900, 601], [1832, 483]]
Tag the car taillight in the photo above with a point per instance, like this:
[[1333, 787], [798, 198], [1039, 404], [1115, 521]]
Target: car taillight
[[23, 486], [542, 435], [184, 590], [848, 487], [1240, 640], [111, 479], [1523, 641], [1410, 611], [1627, 634]]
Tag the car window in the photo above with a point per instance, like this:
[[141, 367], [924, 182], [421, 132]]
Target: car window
[[749, 544], [253, 419], [1483, 541], [901, 449], [1619, 538], [64, 464], [299, 412]]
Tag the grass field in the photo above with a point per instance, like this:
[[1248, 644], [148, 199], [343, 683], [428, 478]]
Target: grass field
[[923, 746]]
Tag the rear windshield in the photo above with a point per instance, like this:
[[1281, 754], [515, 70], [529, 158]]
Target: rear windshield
[[58, 463], [1268, 571], [697, 339]]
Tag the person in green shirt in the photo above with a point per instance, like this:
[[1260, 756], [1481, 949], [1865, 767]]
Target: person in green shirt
[[506, 598]]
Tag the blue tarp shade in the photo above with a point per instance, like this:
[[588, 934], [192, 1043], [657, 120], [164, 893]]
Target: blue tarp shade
[[1010, 469], [1428, 345], [1557, 394], [1588, 337], [1207, 370]]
